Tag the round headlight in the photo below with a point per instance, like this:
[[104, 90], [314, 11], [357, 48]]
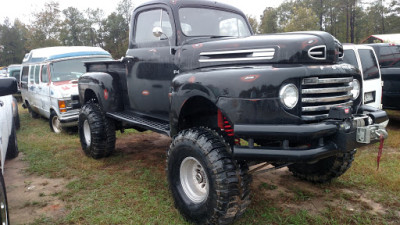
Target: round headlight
[[356, 89], [289, 95]]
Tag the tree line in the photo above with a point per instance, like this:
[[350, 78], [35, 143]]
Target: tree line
[[348, 20], [52, 26]]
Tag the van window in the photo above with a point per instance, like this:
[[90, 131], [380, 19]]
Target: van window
[[44, 78], [369, 65], [37, 70], [32, 74], [350, 57], [24, 74]]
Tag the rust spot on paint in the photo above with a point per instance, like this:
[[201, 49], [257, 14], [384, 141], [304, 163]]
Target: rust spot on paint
[[249, 78], [105, 94], [197, 45], [192, 79]]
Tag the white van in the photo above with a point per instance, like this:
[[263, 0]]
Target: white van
[[364, 58], [49, 77]]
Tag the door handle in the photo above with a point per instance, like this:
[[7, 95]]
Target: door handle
[[1, 103]]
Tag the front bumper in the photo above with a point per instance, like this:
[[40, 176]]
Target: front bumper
[[69, 119], [331, 137]]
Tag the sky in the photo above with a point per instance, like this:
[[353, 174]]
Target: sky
[[23, 9]]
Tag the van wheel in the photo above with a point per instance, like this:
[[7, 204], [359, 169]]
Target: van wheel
[[12, 149], [204, 179], [33, 114], [54, 122], [96, 131], [4, 218]]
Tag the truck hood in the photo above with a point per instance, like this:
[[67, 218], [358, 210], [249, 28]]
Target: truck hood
[[64, 89], [284, 48]]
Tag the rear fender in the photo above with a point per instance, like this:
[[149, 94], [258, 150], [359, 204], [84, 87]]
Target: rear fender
[[105, 88]]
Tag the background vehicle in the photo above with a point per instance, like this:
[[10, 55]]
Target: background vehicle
[[8, 145], [14, 70], [364, 58], [48, 79], [194, 71], [389, 61]]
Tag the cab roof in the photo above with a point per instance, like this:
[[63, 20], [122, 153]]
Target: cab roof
[[176, 4], [62, 52]]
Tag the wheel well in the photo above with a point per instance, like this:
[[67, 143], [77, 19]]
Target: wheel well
[[90, 96], [198, 111]]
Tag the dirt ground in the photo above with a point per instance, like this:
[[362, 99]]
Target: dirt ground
[[31, 197]]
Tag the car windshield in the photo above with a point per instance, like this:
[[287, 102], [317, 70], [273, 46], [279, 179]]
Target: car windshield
[[212, 22], [70, 69]]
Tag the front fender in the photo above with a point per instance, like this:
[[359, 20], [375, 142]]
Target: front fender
[[104, 87]]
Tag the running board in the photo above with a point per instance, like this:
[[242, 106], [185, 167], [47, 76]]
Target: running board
[[148, 124]]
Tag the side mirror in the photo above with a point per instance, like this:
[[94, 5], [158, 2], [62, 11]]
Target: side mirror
[[157, 32], [8, 86]]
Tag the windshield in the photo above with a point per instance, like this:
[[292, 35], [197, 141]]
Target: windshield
[[70, 69], [212, 22]]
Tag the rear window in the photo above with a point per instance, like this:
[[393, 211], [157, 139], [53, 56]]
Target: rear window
[[369, 65], [350, 57]]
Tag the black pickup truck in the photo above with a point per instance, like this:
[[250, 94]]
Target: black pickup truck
[[195, 72]]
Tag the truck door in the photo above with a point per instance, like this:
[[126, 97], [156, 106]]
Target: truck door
[[371, 77], [44, 91], [150, 78]]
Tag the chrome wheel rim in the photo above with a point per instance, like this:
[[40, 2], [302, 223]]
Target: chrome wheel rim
[[56, 124], [86, 132], [194, 180]]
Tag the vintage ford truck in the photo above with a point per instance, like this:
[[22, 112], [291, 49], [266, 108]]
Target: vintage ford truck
[[194, 71]]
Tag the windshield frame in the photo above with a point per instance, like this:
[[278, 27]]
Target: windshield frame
[[224, 10]]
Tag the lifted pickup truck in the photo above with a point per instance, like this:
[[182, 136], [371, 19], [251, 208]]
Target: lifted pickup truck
[[194, 71]]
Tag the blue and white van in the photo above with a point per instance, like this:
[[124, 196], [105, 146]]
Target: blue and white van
[[49, 77]]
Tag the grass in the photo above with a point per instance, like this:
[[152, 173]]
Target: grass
[[119, 190]]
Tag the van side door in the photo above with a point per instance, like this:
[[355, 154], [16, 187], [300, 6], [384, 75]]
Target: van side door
[[44, 91], [34, 89], [24, 82], [372, 84]]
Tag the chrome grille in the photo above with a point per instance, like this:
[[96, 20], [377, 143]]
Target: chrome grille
[[319, 95]]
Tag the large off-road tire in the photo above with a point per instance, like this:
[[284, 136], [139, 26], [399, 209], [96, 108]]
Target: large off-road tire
[[207, 185], [54, 122], [4, 218], [325, 169], [12, 149], [96, 131]]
